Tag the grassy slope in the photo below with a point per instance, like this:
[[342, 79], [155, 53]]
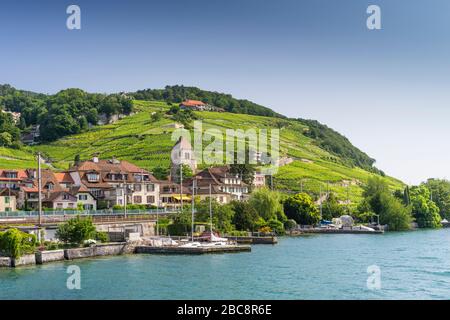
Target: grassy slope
[[16, 159], [148, 144]]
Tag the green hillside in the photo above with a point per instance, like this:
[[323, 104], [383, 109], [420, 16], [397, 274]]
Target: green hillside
[[20, 159], [139, 139]]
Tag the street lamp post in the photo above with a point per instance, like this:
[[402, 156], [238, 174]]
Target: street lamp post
[[193, 203], [125, 195], [39, 190]]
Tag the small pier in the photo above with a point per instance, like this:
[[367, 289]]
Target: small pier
[[254, 240], [192, 250], [340, 231]]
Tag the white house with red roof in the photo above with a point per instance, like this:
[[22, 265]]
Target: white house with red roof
[[193, 105]]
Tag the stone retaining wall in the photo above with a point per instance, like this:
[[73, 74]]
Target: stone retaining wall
[[49, 256], [5, 262], [28, 259], [109, 249], [71, 254], [78, 253]]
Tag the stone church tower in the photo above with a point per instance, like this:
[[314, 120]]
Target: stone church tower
[[182, 153]]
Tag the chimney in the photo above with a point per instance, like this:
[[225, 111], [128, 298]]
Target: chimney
[[95, 157]]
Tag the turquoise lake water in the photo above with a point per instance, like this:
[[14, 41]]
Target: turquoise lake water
[[414, 265]]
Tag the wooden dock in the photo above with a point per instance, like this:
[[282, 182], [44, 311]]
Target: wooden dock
[[254, 240], [340, 231], [192, 250]]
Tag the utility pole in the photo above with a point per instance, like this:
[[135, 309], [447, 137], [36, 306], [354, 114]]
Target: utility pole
[[181, 186], [320, 199], [348, 199], [39, 189], [301, 185], [157, 218], [125, 197], [210, 210], [193, 196]]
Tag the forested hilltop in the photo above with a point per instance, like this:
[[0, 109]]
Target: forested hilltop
[[176, 94], [68, 112]]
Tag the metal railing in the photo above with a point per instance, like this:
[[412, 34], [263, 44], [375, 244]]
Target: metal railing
[[106, 212]]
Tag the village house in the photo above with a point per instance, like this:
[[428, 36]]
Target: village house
[[259, 180], [58, 192], [225, 187], [172, 194], [15, 115], [197, 105], [60, 200], [84, 197], [12, 178], [8, 200], [31, 137], [115, 182], [193, 105]]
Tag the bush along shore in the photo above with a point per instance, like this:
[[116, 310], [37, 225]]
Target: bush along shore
[[79, 239]]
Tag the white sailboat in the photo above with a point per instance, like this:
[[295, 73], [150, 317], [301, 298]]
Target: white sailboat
[[214, 240], [192, 243]]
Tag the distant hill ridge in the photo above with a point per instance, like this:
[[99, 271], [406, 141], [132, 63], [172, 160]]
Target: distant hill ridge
[[179, 93]]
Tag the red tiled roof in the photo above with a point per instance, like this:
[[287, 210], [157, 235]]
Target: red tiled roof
[[26, 189], [63, 177], [21, 174], [49, 176], [192, 103], [105, 167], [77, 189], [49, 197], [8, 192], [113, 166]]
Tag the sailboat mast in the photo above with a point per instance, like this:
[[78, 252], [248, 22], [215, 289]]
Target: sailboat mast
[[320, 199], [210, 211], [39, 189], [193, 196], [181, 186]]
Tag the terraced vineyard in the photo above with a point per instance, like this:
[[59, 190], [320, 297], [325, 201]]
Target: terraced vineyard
[[146, 143]]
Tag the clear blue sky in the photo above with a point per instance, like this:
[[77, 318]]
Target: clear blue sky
[[388, 91]]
